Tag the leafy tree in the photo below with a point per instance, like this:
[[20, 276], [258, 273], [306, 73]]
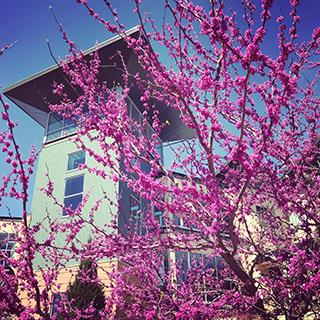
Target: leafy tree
[[84, 296]]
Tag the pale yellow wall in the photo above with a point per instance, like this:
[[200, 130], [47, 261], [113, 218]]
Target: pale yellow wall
[[10, 226], [67, 275]]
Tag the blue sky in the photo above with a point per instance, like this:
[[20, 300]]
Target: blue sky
[[30, 23]]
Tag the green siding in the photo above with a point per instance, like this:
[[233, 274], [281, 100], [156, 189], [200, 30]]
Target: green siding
[[53, 159]]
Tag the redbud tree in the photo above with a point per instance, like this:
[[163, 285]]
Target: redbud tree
[[245, 188]]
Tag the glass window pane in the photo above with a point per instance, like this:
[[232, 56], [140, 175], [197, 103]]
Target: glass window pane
[[209, 263], [69, 130], [4, 238], [182, 260], [6, 243], [176, 220], [134, 206], [136, 115], [56, 302], [196, 259], [3, 245], [55, 122], [159, 216], [72, 203], [149, 132], [74, 185], [219, 263], [68, 122], [75, 159], [11, 237], [129, 103], [85, 109], [9, 249], [70, 126], [159, 149], [53, 135]]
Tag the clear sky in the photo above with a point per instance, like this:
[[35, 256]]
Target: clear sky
[[29, 22]]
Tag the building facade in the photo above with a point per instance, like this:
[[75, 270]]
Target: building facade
[[9, 229], [60, 160]]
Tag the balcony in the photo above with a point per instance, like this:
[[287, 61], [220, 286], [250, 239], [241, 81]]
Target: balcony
[[59, 127]]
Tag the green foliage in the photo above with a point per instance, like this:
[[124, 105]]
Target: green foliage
[[85, 292]]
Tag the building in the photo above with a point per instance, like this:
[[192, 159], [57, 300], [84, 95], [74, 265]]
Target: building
[[60, 158], [61, 161], [9, 228]]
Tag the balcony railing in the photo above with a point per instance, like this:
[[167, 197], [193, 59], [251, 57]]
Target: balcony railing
[[59, 127], [135, 114]]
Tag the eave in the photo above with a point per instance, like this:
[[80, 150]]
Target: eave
[[34, 94]]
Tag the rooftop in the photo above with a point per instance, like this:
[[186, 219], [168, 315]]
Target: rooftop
[[34, 94]]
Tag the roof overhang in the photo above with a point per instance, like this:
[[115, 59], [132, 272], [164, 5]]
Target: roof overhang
[[34, 94]]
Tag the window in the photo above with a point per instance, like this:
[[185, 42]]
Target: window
[[6, 244], [135, 212], [138, 125], [58, 126], [186, 260], [73, 193], [183, 265], [164, 270], [69, 126], [56, 303], [159, 149], [159, 216], [261, 214], [75, 159], [54, 128], [135, 206], [55, 122], [217, 266], [224, 221], [179, 222]]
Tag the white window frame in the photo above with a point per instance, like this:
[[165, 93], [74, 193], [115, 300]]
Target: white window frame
[[72, 153], [71, 195], [8, 252]]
